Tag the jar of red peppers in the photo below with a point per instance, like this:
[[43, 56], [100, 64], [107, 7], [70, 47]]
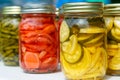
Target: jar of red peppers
[[38, 42], [9, 35]]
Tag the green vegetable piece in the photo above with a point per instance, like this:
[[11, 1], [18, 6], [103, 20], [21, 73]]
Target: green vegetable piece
[[11, 47]]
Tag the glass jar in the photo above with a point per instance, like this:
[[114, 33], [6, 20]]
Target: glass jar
[[38, 39], [112, 21], [83, 41], [9, 35]]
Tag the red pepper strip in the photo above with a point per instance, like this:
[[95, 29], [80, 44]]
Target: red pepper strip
[[28, 33], [42, 54], [42, 20], [37, 39], [51, 50], [28, 26], [49, 29], [47, 36], [35, 48], [48, 62], [35, 23]]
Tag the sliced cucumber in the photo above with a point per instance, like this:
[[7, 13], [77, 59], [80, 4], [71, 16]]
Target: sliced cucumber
[[75, 57], [83, 37], [92, 30], [109, 23], [64, 31], [97, 39], [114, 35]]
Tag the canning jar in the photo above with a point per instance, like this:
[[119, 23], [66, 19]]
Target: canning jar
[[38, 37], [83, 41], [112, 22], [9, 35]]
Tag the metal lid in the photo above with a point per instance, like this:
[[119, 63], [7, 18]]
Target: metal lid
[[83, 7], [39, 8], [112, 9], [57, 11], [11, 10]]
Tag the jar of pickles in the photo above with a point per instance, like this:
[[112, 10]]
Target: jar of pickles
[[83, 41], [38, 37], [112, 22], [9, 35]]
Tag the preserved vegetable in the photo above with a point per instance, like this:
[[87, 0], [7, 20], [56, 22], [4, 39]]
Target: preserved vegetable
[[38, 43], [9, 35], [83, 44], [112, 22]]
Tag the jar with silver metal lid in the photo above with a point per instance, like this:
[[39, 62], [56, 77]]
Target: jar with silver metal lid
[[9, 35], [83, 41], [112, 22], [38, 37]]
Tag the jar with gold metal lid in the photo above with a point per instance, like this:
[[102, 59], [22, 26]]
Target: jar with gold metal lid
[[9, 35], [83, 41], [38, 37], [112, 22]]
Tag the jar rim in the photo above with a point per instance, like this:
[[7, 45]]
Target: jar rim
[[11, 10], [41, 8], [112, 9], [96, 7]]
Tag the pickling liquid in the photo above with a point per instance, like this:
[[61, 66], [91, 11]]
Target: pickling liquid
[[113, 48], [38, 43], [83, 50]]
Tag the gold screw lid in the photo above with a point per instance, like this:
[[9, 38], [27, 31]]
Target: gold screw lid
[[11, 10], [83, 7], [39, 8], [112, 9]]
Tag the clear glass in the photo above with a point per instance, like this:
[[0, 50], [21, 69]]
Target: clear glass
[[83, 47], [113, 46], [9, 39], [38, 43]]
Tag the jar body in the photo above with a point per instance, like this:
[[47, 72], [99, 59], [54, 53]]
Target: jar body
[[9, 39], [113, 45], [83, 47], [38, 43]]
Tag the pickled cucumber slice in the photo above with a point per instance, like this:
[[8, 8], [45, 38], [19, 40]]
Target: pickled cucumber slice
[[96, 56], [84, 37], [64, 31], [114, 64], [77, 70], [97, 38], [92, 30], [114, 35], [109, 23], [113, 46], [117, 22], [70, 46], [71, 50], [74, 58]]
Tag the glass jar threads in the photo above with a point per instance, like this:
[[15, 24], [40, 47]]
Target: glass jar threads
[[83, 41], [38, 39], [112, 21], [9, 35]]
